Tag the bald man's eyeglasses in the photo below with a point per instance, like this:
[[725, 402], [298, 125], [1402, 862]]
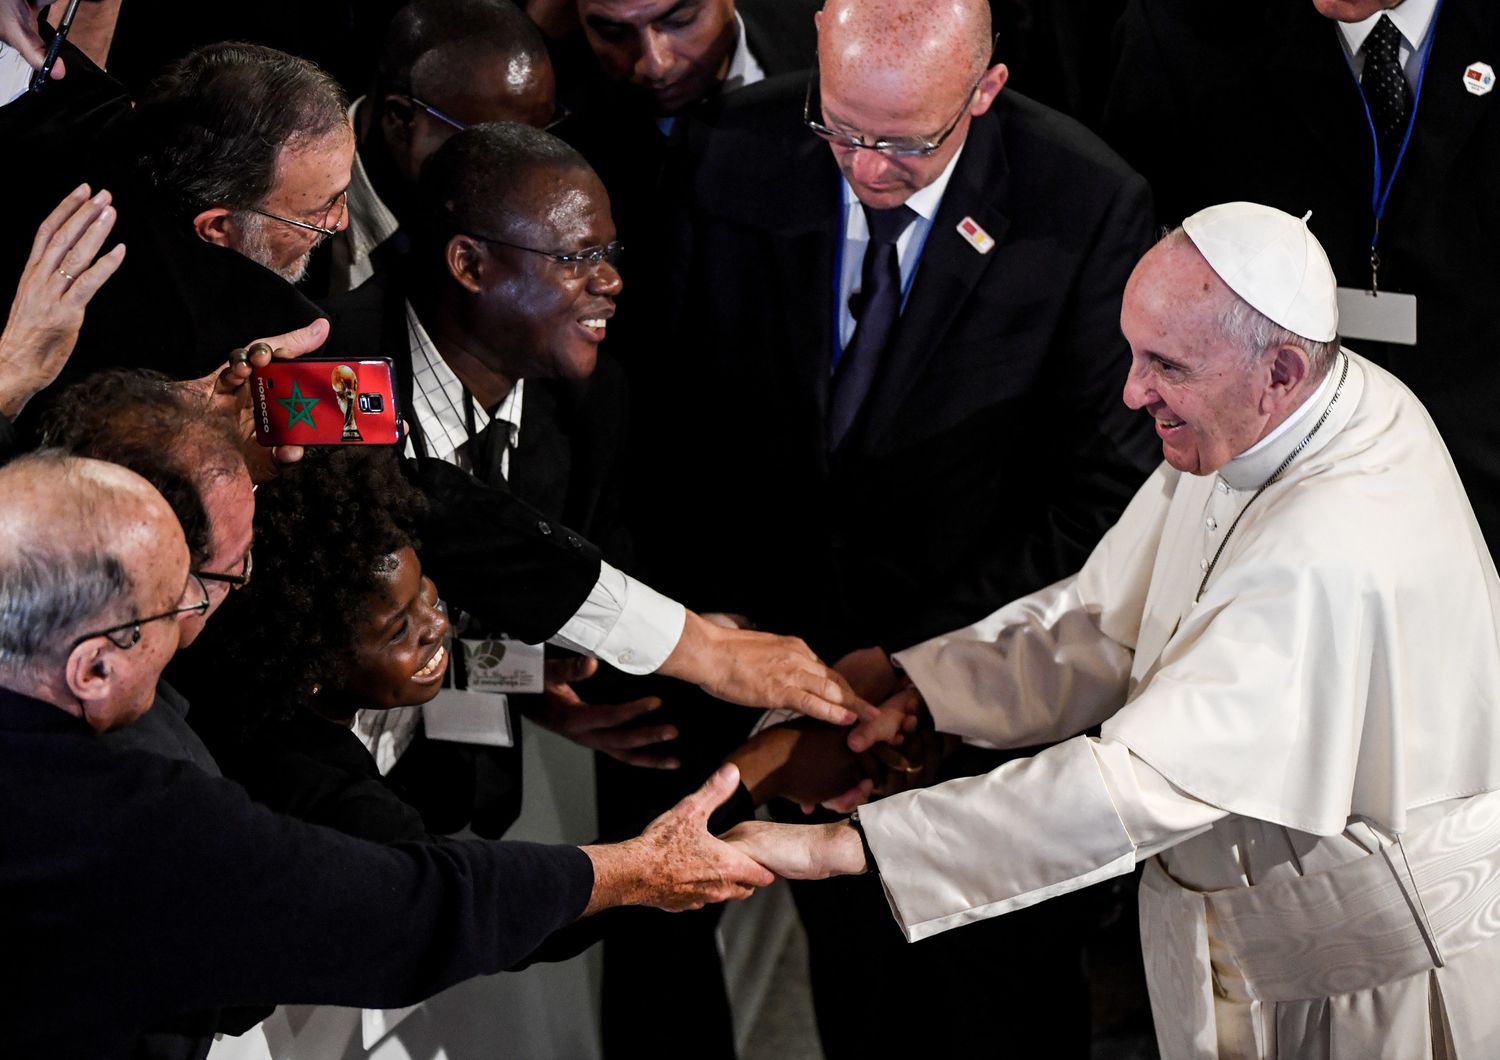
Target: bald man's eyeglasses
[[128, 634], [894, 146], [579, 263]]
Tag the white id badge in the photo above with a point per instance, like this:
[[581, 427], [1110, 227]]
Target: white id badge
[[468, 717], [500, 664], [1389, 316]]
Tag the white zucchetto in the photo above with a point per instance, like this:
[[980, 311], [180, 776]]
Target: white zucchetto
[[1271, 260]]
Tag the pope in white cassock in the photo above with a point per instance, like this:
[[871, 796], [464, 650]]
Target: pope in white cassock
[[1290, 639]]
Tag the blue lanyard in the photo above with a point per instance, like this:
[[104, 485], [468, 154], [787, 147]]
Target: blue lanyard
[[1380, 190]]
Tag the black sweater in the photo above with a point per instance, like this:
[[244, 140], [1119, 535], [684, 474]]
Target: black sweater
[[134, 889]]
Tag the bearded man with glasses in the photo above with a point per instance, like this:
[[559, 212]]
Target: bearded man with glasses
[[897, 319]]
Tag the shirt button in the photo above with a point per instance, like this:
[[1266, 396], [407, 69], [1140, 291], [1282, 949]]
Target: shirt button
[[1223, 486], [543, 527], [626, 655], [1203, 564], [1211, 523]]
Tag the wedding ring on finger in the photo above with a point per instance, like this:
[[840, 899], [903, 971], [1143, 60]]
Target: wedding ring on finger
[[64, 272]]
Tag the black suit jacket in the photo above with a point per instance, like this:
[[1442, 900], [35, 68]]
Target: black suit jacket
[[1260, 104], [993, 450]]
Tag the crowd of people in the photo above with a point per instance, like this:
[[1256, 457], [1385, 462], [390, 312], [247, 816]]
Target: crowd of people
[[980, 460]]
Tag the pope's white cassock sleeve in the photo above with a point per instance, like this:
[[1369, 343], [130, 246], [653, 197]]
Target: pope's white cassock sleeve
[[1038, 670]]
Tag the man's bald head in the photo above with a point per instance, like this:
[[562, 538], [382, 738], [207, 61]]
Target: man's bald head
[[926, 45], [908, 69], [84, 544]]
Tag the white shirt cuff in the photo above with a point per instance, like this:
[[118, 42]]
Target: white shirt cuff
[[625, 623]]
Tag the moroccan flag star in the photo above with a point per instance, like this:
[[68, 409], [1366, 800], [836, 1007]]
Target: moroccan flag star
[[298, 407]]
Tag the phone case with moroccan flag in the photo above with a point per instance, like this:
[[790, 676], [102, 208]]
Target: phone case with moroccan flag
[[325, 401]]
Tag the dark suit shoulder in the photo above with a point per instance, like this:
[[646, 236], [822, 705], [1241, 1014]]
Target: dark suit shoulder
[[360, 320], [1038, 136], [754, 147]]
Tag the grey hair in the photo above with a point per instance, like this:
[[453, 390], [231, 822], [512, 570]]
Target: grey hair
[[49, 594], [46, 599], [1255, 333]]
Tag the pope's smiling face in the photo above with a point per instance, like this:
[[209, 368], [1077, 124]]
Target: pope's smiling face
[[1203, 392]]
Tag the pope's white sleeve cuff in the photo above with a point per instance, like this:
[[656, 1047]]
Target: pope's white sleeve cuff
[[625, 623]]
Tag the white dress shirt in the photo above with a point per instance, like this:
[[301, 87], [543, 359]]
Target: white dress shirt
[[1412, 17], [925, 202]]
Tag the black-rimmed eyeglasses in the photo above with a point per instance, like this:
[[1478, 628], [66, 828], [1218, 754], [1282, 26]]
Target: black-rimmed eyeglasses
[[234, 581], [131, 630], [333, 220], [578, 263]]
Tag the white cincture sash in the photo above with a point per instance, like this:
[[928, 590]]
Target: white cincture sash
[[1353, 927]]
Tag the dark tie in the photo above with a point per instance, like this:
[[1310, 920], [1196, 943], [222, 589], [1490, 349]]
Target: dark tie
[[879, 306], [1385, 88]]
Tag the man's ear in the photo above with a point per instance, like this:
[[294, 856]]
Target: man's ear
[[466, 263], [397, 115], [216, 225], [89, 672], [989, 87], [1290, 367]]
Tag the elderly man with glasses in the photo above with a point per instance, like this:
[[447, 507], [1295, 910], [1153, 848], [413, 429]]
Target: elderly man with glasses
[[898, 315], [154, 890]]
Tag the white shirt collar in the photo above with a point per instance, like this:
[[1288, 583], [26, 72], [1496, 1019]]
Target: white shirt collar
[[1412, 17], [437, 400], [371, 221], [924, 201], [744, 70], [1254, 465]]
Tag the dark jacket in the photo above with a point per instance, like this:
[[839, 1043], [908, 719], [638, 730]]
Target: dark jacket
[[134, 889], [993, 450]]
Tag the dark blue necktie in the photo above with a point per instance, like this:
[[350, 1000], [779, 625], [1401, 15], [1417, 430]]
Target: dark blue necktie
[[1385, 88], [880, 306]]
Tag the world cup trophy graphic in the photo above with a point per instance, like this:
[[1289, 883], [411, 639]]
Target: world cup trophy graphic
[[346, 393]]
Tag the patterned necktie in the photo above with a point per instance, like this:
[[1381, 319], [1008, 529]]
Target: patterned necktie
[[880, 306], [1385, 88]]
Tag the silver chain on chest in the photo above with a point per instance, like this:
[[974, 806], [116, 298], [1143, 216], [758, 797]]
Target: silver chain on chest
[[1280, 470]]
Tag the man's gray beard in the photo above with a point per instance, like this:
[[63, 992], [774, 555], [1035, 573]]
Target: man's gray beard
[[257, 247]]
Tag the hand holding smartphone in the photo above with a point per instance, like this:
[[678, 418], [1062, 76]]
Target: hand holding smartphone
[[325, 401]]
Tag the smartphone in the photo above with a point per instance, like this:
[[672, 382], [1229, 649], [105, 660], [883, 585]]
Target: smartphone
[[326, 401]]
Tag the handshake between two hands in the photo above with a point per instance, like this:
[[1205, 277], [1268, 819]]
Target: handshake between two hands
[[679, 865]]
